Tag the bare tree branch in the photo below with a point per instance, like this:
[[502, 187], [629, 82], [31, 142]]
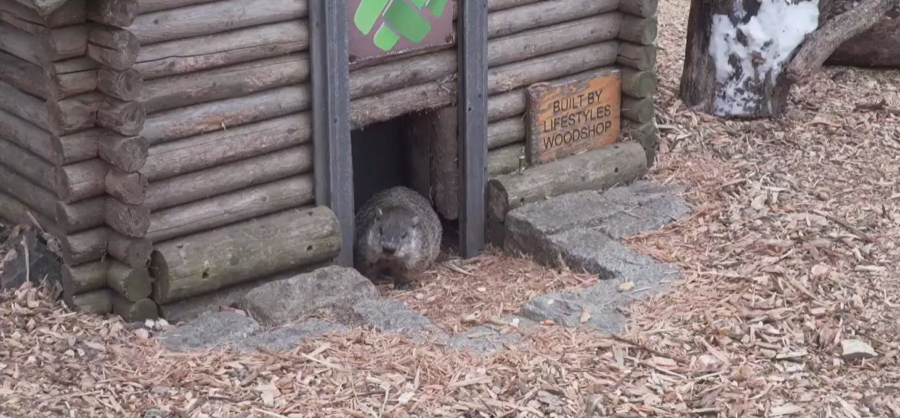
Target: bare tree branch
[[823, 42]]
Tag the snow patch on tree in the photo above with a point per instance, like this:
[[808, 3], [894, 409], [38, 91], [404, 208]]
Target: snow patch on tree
[[752, 54]]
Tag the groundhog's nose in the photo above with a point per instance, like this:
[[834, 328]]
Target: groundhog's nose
[[388, 248]]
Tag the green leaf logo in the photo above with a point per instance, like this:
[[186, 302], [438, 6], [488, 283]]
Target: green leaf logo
[[402, 19]]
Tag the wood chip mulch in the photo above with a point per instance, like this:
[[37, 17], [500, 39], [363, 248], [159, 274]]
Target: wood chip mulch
[[791, 249]]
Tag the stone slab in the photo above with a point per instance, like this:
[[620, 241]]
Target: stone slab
[[329, 288], [211, 331], [39, 265]]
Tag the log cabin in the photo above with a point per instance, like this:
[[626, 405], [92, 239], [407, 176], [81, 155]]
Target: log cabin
[[183, 151]]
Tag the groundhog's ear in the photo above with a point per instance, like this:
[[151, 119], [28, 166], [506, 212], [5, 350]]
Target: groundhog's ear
[[415, 221], [378, 213]]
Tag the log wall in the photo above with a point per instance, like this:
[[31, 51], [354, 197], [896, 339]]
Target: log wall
[[168, 142]]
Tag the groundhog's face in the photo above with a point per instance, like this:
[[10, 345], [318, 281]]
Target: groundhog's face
[[398, 234]]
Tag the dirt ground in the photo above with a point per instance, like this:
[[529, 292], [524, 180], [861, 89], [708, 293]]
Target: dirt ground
[[792, 248]]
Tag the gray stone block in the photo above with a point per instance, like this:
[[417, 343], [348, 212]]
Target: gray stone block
[[289, 337], [595, 252], [209, 332], [329, 288], [567, 309], [648, 216], [39, 265]]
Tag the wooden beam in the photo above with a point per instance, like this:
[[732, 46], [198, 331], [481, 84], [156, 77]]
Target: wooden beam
[[473, 93], [331, 117]]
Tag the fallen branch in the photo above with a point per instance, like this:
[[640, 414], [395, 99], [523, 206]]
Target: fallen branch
[[823, 42], [856, 231]]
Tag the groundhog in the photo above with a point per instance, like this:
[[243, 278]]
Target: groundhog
[[398, 234]]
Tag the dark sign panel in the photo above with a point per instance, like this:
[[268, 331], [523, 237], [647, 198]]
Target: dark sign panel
[[381, 28]]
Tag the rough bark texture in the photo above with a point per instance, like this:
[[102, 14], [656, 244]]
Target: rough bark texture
[[222, 147], [139, 311], [227, 48], [28, 165], [131, 283], [127, 153], [83, 279], [877, 47], [133, 252], [80, 181], [123, 85], [209, 18], [213, 260], [98, 302], [230, 208], [229, 177], [746, 95], [84, 247], [129, 220], [823, 42], [129, 188]]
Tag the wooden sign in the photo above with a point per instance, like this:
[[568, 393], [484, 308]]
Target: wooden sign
[[572, 116], [384, 28]]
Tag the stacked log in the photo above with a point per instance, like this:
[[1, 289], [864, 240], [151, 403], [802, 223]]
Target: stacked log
[[226, 154], [637, 58], [528, 43], [50, 170]]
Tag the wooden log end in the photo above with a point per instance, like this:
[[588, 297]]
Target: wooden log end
[[129, 188], [124, 118], [139, 311], [124, 85], [639, 30], [127, 153], [131, 283], [84, 278], [118, 13], [98, 302], [117, 59], [639, 84], [639, 57], [133, 252], [638, 110], [84, 247], [129, 220], [641, 8]]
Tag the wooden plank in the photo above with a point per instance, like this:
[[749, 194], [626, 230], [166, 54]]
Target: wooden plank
[[98, 302], [123, 85], [331, 120], [133, 252], [71, 77], [83, 279], [573, 116], [227, 48], [127, 153], [138, 311], [23, 75], [131, 283], [639, 84], [22, 44], [128, 188], [473, 94], [24, 105], [210, 18]]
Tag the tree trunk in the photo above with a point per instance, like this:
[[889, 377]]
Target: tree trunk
[[877, 47], [733, 71]]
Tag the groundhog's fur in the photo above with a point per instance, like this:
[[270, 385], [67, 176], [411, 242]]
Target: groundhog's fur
[[398, 234]]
